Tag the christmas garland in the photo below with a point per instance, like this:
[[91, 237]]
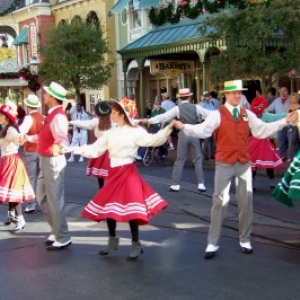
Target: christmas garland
[[33, 80], [169, 14]]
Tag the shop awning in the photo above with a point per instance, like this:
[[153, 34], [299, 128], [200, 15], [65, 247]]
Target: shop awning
[[118, 7], [149, 3], [22, 38]]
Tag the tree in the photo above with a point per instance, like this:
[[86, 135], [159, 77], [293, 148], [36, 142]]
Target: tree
[[262, 41], [75, 55]]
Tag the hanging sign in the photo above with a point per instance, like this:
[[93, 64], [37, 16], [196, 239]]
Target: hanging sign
[[172, 68]]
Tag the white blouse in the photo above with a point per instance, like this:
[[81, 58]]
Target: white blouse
[[10, 145], [122, 144]]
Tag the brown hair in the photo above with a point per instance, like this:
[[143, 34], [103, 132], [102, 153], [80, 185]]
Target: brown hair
[[104, 123], [114, 105], [3, 132]]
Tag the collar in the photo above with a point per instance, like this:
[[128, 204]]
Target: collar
[[53, 108], [33, 111], [230, 107], [184, 101]]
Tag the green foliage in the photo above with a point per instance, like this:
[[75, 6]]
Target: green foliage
[[75, 55], [13, 6], [262, 41]]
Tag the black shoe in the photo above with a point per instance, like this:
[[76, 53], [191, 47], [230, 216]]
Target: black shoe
[[209, 255], [55, 248], [246, 250]]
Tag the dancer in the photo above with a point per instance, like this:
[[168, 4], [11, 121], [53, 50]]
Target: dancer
[[32, 124], [15, 187], [262, 152], [50, 185], [186, 112], [125, 197], [231, 126], [98, 167]]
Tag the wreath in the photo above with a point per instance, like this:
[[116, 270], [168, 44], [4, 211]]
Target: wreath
[[34, 82]]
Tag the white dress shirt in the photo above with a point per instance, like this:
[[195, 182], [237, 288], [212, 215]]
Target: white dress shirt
[[259, 129]]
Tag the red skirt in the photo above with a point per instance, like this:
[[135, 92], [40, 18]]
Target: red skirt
[[99, 166], [263, 154], [124, 197], [14, 182]]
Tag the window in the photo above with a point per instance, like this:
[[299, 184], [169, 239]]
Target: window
[[124, 17], [136, 14]]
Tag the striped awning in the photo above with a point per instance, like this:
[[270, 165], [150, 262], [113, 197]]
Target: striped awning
[[22, 38]]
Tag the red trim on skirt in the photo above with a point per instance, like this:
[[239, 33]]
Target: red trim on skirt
[[14, 182], [99, 166], [263, 154], [124, 197]]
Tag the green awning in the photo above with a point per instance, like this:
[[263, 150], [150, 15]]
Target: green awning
[[118, 7], [149, 3], [22, 38]]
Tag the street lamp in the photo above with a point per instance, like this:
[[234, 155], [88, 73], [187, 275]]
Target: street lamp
[[293, 74], [33, 64]]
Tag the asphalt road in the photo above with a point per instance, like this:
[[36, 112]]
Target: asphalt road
[[172, 265]]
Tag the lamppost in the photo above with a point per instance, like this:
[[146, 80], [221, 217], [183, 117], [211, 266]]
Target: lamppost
[[293, 74], [33, 65]]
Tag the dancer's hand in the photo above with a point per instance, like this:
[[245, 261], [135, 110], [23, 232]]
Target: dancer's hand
[[144, 121], [65, 149], [179, 125]]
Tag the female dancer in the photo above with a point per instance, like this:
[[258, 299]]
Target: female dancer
[[14, 183], [262, 152], [99, 166], [125, 197]]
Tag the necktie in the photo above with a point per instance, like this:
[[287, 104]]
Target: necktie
[[235, 114]]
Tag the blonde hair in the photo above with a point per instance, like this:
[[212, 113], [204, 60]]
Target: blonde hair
[[295, 95]]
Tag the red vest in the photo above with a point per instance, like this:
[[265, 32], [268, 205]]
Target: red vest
[[232, 138], [37, 124], [45, 144]]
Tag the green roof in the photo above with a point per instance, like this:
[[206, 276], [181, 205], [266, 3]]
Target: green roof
[[169, 34]]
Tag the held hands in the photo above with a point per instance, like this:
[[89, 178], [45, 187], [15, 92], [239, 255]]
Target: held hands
[[179, 125], [172, 124], [143, 121], [65, 149], [292, 118]]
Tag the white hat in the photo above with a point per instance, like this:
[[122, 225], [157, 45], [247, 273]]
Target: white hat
[[56, 90], [164, 95], [184, 93], [32, 101], [233, 85], [122, 105], [205, 93]]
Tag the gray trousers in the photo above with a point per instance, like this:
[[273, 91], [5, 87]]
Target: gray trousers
[[182, 147], [50, 195], [224, 174], [31, 162]]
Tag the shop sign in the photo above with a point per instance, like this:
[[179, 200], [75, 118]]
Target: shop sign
[[171, 67]]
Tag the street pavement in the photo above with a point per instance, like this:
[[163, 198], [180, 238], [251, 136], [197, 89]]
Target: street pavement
[[172, 265]]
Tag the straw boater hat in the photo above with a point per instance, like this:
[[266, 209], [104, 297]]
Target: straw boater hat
[[56, 90], [184, 93], [123, 107], [233, 85], [102, 108], [9, 112], [32, 101]]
